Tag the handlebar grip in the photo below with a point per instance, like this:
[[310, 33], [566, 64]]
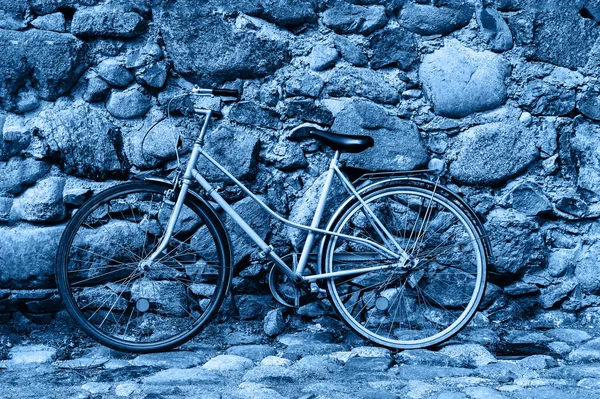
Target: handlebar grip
[[225, 93]]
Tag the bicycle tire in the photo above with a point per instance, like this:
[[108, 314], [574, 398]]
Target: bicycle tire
[[214, 227], [351, 206]]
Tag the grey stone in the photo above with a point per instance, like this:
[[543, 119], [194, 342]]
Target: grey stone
[[572, 206], [568, 335], [49, 62], [154, 75], [297, 351], [423, 372], [26, 101], [494, 29], [492, 153], [315, 309], [306, 110], [586, 268], [250, 113], [84, 142], [107, 22], [15, 137], [367, 364], [178, 376], [42, 203], [322, 57], [484, 393], [128, 104], [256, 353], [561, 261], [561, 37], [28, 354], [168, 298], [423, 357], [190, 33], [317, 366], [285, 13], [224, 363], [114, 73], [236, 150], [541, 98], [361, 82], [587, 353], [393, 47], [460, 81], [12, 14], [31, 246], [96, 90], [516, 242], [468, 355], [530, 199], [519, 288], [176, 359], [271, 374], [304, 84], [346, 18], [274, 324], [589, 103], [586, 146], [18, 173], [398, 144], [54, 22], [350, 51], [555, 293], [426, 19], [252, 306]]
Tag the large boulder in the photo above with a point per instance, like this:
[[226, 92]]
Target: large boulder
[[490, 154], [460, 81], [49, 62], [84, 141], [398, 144], [207, 50], [27, 256], [427, 19]]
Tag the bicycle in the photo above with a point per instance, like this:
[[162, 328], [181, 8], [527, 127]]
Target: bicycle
[[144, 266]]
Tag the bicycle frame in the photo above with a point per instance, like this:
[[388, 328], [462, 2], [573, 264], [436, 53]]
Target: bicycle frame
[[296, 275]]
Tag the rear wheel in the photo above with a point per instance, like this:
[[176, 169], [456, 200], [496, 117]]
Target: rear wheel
[[415, 307], [114, 296]]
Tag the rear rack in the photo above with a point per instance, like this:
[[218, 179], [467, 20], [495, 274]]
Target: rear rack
[[385, 175]]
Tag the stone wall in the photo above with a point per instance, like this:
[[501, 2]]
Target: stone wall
[[501, 95]]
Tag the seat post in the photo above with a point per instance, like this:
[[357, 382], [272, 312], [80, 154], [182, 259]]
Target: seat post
[[310, 237]]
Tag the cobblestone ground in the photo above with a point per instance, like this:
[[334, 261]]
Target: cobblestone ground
[[240, 361]]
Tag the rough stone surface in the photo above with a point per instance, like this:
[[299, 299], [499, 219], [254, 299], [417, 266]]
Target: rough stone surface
[[493, 153], [49, 62], [361, 82], [426, 19], [128, 104], [460, 81], [349, 18], [84, 141], [106, 22], [190, 35], [363, 117]]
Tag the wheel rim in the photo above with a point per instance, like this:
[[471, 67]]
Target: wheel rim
[[426, 326], [125, 304]]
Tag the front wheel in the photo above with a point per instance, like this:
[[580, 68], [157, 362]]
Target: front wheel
[[124, 302], [406, 307]]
